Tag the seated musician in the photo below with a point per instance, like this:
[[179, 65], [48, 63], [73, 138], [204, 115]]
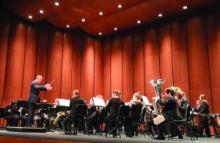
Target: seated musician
[[34, 96], [93, 119], [58, 119], [12, 115], [71, 118], [182, 102], [170, 113], [203, 109], [136, 105], [112, 109]]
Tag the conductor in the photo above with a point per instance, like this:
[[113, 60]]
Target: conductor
[[36, 87]]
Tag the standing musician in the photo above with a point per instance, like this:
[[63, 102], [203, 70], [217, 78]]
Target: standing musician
[[203, 109], [34, 96], [170, 113], [112, 109]]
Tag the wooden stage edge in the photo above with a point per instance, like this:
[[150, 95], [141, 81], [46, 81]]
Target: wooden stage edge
[[59, 137]]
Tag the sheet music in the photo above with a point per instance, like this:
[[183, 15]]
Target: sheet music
[[98, 102], [145, 100], [63, 102]]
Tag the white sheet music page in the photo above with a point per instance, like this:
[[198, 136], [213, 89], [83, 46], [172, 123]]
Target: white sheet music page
[[63, 102], [98, 102], [145, 100]]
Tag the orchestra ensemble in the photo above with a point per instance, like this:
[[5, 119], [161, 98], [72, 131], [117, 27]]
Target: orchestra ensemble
[[169, 114]]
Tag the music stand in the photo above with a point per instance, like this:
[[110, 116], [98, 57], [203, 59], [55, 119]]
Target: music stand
[[23, 104]]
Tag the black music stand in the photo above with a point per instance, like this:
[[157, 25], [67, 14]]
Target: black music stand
[[23, 104]]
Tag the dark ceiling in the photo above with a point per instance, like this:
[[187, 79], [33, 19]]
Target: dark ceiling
[[114, 18]]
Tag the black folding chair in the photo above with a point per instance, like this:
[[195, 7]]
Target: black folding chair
[[76, 121], [142, 125], [135, 117], [80, 118], [122, 119], [186, 124]]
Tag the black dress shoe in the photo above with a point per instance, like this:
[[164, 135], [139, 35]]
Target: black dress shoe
[[180, 136], [160, 138], [129, 135]]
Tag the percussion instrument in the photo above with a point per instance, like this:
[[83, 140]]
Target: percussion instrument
[[197, 119]]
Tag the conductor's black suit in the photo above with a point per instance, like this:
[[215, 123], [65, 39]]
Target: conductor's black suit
[[33, 99]]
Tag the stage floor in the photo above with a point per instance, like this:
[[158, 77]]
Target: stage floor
[[60, 136]]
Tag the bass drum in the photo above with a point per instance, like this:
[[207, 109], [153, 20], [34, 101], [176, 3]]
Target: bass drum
[[197, 120], [215, 119]]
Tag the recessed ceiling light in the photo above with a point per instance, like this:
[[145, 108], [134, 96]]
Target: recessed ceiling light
[[100, 13], [115, 28], [119, 6], [138, 21], [100, 33], [160, 15], [184, 7], [41, 11], [30, 16], [56, 3], [67, 26], [83, 20]]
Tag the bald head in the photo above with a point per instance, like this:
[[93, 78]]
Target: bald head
[[202, 97], [75, 93], [116, 93]]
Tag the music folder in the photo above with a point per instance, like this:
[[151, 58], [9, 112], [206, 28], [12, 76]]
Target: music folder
[[98, 102]]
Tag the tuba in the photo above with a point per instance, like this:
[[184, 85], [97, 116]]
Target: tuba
[[157, 89]]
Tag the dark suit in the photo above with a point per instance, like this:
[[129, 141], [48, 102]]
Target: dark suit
[[204, 110], [112, 108], [93, 120], [170, 109], [170, 114], [73, 103], [33, 99], [72, 118], [182, 107], [134, 118]]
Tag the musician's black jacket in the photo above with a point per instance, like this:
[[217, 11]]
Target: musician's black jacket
[[73, 103], [170, 109], [35, 90], [204, 107], [113, 107], [182, 108], [136, 110]]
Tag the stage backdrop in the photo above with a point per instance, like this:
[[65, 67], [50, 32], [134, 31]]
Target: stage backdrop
[[183, 51]]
